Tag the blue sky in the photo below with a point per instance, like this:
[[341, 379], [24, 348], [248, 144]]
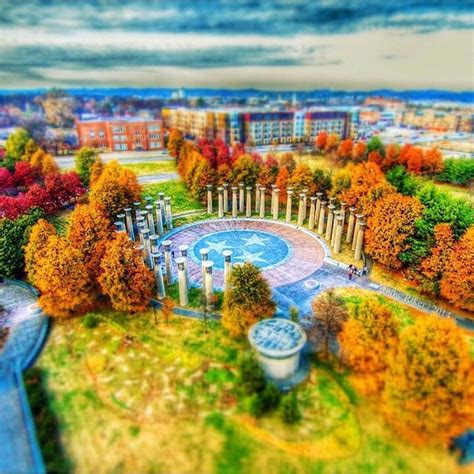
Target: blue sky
[[281, 44]]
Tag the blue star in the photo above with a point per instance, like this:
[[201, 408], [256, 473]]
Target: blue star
[[217, 246], [251, 257], [254, 240]]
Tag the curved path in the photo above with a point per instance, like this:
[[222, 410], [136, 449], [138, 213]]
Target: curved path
[[19, 450]]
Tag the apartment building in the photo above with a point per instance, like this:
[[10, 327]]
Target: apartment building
[[439, 120], [268, 128], [121, 134]]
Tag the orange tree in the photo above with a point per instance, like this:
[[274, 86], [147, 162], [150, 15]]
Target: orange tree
[[321, 140], [281, 182], [245, 170], [389, 227], [89, 231], [344, 152], [124, 278], [175, 142], [96, 170], [62, 278], [367, 340], [247, 300], [302, 178], [359, 152], [457, 283], [36, 246], [115, 189], [426, 388]]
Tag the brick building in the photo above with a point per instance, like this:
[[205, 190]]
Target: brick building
[[122, 134]]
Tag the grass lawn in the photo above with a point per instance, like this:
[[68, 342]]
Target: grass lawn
[[461, 192], [129, 396], [181, 199], [142, 169]]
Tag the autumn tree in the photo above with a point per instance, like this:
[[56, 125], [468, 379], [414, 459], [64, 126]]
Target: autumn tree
[[90, 231], [175, 142], [30, 148], [15, 145], [58, 108], [61, 276], [49, 165], [432, 162], [84, 160], [457, 283], [332, 143], [426, 387], [390, 226], [359, 152], [203, 175], [321, 140], [367, 341], [25, 175], [96, 170], [344, 151], [302, 178], [247, 300], [375, 144], [288, 161], [329, 315], [245, 170], [124, 278], [115, 189], [36, 246], [281, 182]]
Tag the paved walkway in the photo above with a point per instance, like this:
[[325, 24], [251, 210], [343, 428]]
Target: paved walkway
[[19, 451], [157, 178]]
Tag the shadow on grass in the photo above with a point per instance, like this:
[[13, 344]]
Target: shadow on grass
[[47, 424]]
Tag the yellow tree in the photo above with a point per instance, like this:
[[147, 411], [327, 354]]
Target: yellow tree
[[175, 142], [426, 393], [96, 170], [124, 278], [49, 165], [36, 246], [62, 278], [89, 231], [367, 340], [115, 189], [302, 178]]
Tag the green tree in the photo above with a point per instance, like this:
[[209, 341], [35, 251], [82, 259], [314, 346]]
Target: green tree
[[84, 160], [15, 146], [375, 144], [245, 170], [290, 410], [457, 171], [248, 299], [404, 182]]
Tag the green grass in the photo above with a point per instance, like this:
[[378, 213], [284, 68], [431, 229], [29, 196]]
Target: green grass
[[143, 169], [195, 296], [181, 199]]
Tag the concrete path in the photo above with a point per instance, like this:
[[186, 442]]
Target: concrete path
[[157, 178]]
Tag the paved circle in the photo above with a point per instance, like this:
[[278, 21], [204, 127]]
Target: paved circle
[[285, 254]]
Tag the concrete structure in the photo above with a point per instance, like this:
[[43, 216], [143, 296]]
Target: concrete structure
[[338, 234], [278, 343], [358, 220], [182, 281], [318, 207], [122, 134], [220, 202], [137, 207], [129, 221], [227, 266], [159, 218], [350, 225], [248, 204], [160, 284], [241, 197], [359, 242], [168, 212], [276, 204], [328, 235], [168, 261], [305, 203], [209, 198], [209, 283], [226, 197], [333, 231], [204, 258], [257, 198], [147, 247], [183, 250], [161, 198], [235, 208], [301, 209], [262, 202], [322, 216], [312, 212], [149, 218], [289, 203]]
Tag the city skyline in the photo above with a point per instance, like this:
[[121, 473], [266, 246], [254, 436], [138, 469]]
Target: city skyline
[[270, 45]]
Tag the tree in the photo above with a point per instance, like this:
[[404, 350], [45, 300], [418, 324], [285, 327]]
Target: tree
[[15, 145], [282, 182], [6, 180], [116, 189], [49, 165], [36, 159], [90, 231], [167, 308], [375, 144], [203, 175], [457, 283], [84, 160], [96, 170], [175, 142], [329, 315], [36, 246], [247, 300], [62, 188], [390, 226], [321, 140], [457, 171], [302, 178], [124, 278], [290, 410], [287, 160], [359, 152], [367, 340], [344, 152], [332, 143], [322, 181], [25, 175], [61, 276], [405, 182], [30, 148], [245, 170], [432, 162], [426, 387], [58, 107]]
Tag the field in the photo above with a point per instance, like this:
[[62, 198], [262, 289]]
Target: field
[[129, 395], [142, 169]]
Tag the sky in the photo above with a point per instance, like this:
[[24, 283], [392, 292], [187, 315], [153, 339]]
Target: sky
[[267, 44]]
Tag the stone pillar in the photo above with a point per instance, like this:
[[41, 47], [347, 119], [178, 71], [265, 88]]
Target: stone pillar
[[262, 202], [182, 281], [343, 212], [360, 242], [159, 218], [183, 249], [234, 201], [204, 258], [272, 203], [227, 267], [168, 261], [276, 204], [289, 197], [318, 207], [160, 284], [153, 245], [329, 223], [141, 248], [161, 198], [337, 241], [312, 212], [350, 225], [301, 209], [129, 221], [333, 232], [248, 204], [209, 198], [148, 200], [241, 198], [149, 218], [220, 202], [358, 220], [119, 226], [226, 197], [136, 209], [121, 218], [147, 245], [169, 215], [322, 215], [331, 200], [209, 283], [305, 204], [257, 198], [140, 225]]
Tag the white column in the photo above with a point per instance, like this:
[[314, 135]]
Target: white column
[[168, 261], [301, 210], [289, 197], [209, 198], [331, 208], [182, 281], [343, 213], [234, 201], [322, 215], [149, 218], [241, 198], [204, 258], [220, 202], [312, 212], [129, 221], [272, 203], [161, 198], [257, 198], [227, 267], [226, 197], [147, 245], [356, 229], [337, 241], [350, 225], [359, 242], [140, 225], [209, 283], [318, 207], [248, 204], [141, 248], [262, 202], [137, 207], [160, 284], [333, 232], [169, 215], [183, 249], [153, 245], [276, 203], [159, 218], [305, 203]]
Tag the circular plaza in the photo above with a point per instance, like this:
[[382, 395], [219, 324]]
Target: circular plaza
[[285, 253]]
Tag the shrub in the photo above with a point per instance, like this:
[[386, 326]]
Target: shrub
[[290, 410], [91, 320], [252, 377]]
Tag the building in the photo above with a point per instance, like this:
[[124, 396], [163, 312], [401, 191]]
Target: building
[[331, 121], [122, 134], [438, 120], [268, 128]]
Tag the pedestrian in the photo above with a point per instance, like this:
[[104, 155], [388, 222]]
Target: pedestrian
[[350, 270], [172, 253], [365, 271]]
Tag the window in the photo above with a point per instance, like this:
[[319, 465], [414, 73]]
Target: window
[[155, 135], [118, 129], [101, 134], [154, 128], [92, 133]]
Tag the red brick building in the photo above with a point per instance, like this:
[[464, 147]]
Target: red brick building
[[122, 134]]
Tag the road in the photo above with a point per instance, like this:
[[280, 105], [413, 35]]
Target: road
[[67, 162], [156, 178]]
